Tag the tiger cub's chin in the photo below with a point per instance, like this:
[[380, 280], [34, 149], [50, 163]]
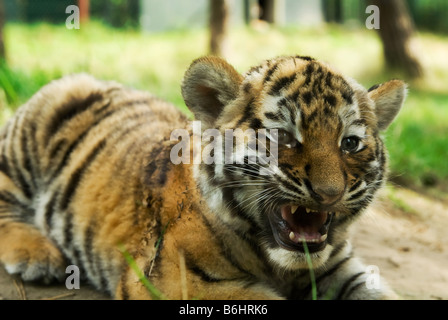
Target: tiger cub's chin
[[296, 260]]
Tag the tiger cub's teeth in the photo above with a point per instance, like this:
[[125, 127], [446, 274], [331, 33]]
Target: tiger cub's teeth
[[294, 209], [291, 236]]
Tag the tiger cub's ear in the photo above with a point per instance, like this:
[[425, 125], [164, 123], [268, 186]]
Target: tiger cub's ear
[[388, 98], [208, 86]]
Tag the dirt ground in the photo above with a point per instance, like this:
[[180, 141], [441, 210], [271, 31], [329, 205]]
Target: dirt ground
[[408, 243]]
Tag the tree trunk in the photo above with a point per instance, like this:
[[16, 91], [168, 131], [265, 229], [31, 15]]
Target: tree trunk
[[267, 10], [333, 10], [2, 23], [84, 10], [397, 34], [219, 25]]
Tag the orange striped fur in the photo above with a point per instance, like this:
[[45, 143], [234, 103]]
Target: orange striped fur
[[86, 178]]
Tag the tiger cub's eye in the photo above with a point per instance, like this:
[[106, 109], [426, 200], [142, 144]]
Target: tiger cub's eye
[[350, 144], [285, 138]]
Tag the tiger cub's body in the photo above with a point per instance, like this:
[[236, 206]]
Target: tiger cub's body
[[87, 178]]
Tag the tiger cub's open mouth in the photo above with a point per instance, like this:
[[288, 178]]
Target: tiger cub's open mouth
[[292, 225]]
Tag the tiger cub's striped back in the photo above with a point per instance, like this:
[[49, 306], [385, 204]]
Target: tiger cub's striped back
[[72, 165]]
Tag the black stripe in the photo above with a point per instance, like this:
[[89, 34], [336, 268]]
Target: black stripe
[[307, 97], [104, 284], [160, 164], [371, 156], [228, 195], [333, 270], [311, 118], [78, 174], [13, 217], [358, 194], [376, 86], [347, 283], [256, 124], [278, 116], [356, 185], [68, 111], [282, 83], [88, 248], [254, 69], [355, 287], [17, 173], [308, 72], [192, 266], [307, 170], [306, 58], [24, 185], [330, 99], [359, 122], [292, 176], [4, 166], [247, 87], [82, 137], [347, 94], [328, 112], [329, 80], [124, 288], [289, 186], [133, 102], [201, 273], [58, 147], [34, 151], [76, 142], [269, 73], [49, 211], [294, 97], [103, 108], [337, 249], [10, 198], [76, 259], [152, 166], [248, 112], [25, 156], [226, 252], [71, 247], [283, 103], [67, 241]]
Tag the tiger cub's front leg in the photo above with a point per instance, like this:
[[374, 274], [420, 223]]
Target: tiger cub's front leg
[[178, 283], [173, 272], [25, 251]]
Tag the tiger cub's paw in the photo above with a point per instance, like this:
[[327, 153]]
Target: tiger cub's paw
[[41, 262]]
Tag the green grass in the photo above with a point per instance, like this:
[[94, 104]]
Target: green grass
[[311, 269], [152, 290], [417, 141]]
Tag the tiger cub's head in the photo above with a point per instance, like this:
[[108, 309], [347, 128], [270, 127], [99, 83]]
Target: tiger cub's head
[[312, 158]]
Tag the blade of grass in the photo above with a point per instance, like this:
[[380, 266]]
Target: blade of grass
[[310, 267], [5, 84], [153, 291]]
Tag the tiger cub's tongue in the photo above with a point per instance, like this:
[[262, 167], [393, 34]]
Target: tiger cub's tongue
[[302, 220]]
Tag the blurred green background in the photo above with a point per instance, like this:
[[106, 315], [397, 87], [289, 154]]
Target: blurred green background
[[149, 44]]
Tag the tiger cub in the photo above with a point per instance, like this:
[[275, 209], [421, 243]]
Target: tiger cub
[[148, 204]]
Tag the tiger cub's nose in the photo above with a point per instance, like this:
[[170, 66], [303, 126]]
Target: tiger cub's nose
[[326, 194]]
